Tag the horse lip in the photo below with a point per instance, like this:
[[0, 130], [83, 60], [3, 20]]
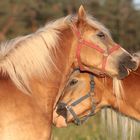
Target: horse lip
[[123, 76], [58, 120]]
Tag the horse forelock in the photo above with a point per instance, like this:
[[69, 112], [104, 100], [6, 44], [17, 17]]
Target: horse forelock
[[90, 20], [96, 24]]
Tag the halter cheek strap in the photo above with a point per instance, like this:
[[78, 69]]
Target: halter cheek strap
[[77, 120], [82, 43], [105, 57]]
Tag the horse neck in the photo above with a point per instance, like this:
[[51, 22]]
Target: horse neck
[[132, 89], [129, 104], [47, 91]]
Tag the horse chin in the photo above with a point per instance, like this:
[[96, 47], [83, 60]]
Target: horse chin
[[58, 120]]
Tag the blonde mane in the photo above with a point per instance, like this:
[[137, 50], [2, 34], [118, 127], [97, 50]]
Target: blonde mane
[[32, 55]]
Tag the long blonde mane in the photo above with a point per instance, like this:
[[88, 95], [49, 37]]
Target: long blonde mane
[[32, 55]]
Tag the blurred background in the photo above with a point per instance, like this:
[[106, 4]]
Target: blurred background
[[121, 17]]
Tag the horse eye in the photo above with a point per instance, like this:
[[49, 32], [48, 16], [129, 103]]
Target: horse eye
[[101, 35], [73, 82]]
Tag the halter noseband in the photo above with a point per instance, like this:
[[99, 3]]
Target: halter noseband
[[77, 120], [82, 42]]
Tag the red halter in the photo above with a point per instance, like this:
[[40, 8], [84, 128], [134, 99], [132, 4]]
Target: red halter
[[82, 42]]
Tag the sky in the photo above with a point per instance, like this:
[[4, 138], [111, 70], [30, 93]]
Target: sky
[[137, 1], [137, 4]]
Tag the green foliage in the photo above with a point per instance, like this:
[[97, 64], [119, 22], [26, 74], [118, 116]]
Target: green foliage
[[89, 131], [93, 129], [20, 17], [121, 17]]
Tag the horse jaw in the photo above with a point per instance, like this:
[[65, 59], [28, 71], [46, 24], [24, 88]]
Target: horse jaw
[[58, 120]]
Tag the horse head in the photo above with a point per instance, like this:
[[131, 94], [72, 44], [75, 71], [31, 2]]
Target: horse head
[[84, 95], [80, 99], [95, 49]]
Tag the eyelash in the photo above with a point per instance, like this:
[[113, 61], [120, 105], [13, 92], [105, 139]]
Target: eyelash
[[73, 82], [101, 35]]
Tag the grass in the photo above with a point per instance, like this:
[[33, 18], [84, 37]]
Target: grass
[[91, 130], [88, 131]]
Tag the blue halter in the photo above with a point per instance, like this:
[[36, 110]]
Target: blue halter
[[77, 120]]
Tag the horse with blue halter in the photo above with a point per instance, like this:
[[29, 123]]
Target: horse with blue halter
[[35, 68], [85, 94]]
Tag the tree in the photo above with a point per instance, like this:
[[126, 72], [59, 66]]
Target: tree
[[20, 17]]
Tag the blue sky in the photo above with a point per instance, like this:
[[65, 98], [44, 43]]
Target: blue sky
[[137, 4], [137, 1]]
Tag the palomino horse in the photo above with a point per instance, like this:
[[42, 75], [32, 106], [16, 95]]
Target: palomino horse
[[83, 97], [39, 65]]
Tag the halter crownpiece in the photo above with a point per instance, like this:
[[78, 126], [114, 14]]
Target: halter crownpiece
[[82, 43]]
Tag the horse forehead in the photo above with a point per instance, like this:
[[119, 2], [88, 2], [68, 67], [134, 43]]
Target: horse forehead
[[81, 76]]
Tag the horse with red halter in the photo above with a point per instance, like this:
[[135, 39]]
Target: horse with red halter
[[86, 94], [35, 68]]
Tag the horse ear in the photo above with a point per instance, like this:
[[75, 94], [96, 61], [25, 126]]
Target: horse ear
[[81, 13]]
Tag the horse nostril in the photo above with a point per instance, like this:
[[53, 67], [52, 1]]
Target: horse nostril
[[61, 109], [128, 62], [61, 106]]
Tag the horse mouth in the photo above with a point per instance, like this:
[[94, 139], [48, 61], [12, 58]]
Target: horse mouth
[[124, 71], [59, 120], [126, 65]]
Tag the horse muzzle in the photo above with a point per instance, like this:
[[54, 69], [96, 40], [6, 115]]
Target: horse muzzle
[[60, 116], [67, 112], [62, 110], [126, 65]]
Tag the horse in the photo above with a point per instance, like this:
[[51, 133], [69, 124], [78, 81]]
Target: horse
[[84, 96], [35, 68]]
